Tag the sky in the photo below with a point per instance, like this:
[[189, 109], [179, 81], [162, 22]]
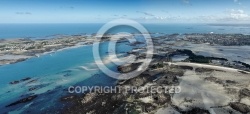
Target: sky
[[144, 11]]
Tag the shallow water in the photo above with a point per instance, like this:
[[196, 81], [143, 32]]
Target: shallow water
[[53, 74]]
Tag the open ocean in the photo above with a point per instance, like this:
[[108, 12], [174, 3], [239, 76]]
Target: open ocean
[[48, 30], [55, 72]]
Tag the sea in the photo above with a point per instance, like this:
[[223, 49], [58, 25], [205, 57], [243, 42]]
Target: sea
[[52, 73], [47, 30]]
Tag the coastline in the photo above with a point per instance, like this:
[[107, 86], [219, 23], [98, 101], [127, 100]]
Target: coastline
[[204, 69], [17, 50], [211, 79], [21, 51], [47, 46]]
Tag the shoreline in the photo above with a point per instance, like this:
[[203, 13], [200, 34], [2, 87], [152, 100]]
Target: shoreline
[[190, 72], [14, 59], [22, 49], [209, 80], [18, 50]]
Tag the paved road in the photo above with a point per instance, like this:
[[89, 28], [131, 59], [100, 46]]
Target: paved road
[[197, 65]]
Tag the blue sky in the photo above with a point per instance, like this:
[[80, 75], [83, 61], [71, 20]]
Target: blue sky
[[145, 11]]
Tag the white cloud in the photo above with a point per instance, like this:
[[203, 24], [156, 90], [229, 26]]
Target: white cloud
[[160, 18], [232, 15], [239, 14], [228, 16]]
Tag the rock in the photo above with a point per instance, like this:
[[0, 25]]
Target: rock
[[24, 100], [25, 79], [231, 91], [230, 82], [32, 81], [214, 79], [18, 60], [95, 103], [196, 111], [186, 67], [240, 107], [138, 81], [33, 88], [128, 67], [168, 79], [147, 107], [22, 80], [103, 103], [14, 82], [117, 97], [126, 108], [201, 70], [243, 72], [68, 98], [134, 53], [175, 72], [245, 92], [88, 97], [162, 98], [136, 43]]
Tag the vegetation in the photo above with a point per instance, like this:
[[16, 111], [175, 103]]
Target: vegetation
[[30, 48], [158, 65], [198, 58], [244, 64]]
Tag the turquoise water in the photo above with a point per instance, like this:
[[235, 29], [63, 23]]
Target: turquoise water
[[56, 71], [53, 72]]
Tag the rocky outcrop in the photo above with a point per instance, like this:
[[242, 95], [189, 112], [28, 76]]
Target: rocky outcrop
[[240, 107], [186, 67], [213, 79], [100, 104], [25, 79], [128, 67], [196, 111], [88, 97], [68, 98], [201, 70], [14, 82], [18, 81], [168, 79], [138, 81], [32, 88], [245, 92], [24, 100]]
